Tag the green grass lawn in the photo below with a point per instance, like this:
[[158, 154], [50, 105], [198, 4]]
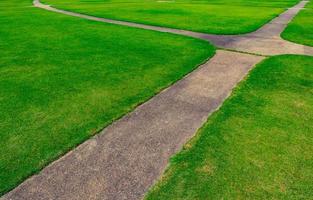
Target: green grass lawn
[[210, 16], [62, 79], [257, 146], [300, 30]]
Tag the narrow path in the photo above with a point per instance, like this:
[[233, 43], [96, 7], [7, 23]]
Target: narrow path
[[125, 159], [264, 41]]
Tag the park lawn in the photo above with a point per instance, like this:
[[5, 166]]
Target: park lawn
[[300, 29], [63, 79], [258, 145], [211, 16]]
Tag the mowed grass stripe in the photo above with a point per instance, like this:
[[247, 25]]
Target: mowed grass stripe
[[62, 79], [258, 145]]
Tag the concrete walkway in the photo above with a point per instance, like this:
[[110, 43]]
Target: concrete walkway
[[127, 157], [264, 41]]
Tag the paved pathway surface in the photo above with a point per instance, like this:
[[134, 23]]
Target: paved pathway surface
[[264, 41], [127, 157]]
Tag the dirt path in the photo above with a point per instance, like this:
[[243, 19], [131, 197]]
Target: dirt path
[[125, 159]]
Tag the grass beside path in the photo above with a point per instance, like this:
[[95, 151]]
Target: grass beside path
[[62, 79], [209, 16], [257, 146], [300, 29]]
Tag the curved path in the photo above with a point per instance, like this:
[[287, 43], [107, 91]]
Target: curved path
[[125, 159], [264, 41]]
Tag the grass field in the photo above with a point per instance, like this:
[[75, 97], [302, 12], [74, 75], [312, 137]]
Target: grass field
[[211, 16], [62, 79], [257, 146], [300, 30]]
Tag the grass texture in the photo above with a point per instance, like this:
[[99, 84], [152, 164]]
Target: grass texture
[[63, 79], [258, 145]]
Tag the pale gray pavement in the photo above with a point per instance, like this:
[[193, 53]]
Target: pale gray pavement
[[264, 41], [127, 157]]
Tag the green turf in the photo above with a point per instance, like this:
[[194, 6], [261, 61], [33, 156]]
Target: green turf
[[211, 16], [257, 146], [300, 30], [62, 79]]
